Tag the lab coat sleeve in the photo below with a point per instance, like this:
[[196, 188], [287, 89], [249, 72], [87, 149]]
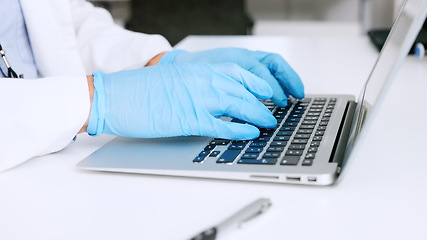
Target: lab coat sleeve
[[108, 47], [43, 115]]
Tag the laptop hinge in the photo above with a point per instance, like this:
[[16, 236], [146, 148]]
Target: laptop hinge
[[338, 152]]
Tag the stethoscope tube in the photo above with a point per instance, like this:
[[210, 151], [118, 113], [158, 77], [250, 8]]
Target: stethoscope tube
[[10, 72]]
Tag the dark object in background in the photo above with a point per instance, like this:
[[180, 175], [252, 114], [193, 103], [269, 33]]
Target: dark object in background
[[175, 19], [379, 36]]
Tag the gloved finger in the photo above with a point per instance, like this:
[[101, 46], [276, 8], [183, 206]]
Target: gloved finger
[[280, 95], [283, 72], [251, 82], [231, 130], [247, 109]]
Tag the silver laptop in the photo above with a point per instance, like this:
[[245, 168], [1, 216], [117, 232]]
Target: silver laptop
[[313, 138]]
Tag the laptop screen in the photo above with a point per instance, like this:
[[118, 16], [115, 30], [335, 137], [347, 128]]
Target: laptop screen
[[402, 36]]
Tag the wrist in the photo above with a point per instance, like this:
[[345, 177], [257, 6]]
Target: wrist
[[155, 60], [91, 89], [170, 57], [97, 113]]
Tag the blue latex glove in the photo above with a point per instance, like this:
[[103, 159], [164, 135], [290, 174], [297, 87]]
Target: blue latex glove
[[269, 66], [180, 100]]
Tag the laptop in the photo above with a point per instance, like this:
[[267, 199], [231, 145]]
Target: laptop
[[310, 145]]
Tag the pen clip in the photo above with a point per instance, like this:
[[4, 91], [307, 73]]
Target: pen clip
[[236, 220]]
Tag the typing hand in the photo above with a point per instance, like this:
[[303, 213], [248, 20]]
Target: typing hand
[[269, 66], [180, 100]]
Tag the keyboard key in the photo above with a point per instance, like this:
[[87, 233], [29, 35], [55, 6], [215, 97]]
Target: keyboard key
[[295, 115], [236, 147], [239, 142], [284, 133], [266, 134], [307, 162], [290, 124], [293, 119], [220, 142], [321, 128], [275, 149], [271, 155], [263, 139], [319, 133], [311, 118], [281, 138], [199, 159], [267, 161], [228, 156], [302, 136], [204, 153], [317, 106], [305, 100], [290, 160], [299, 141], [312, 149], [326, 119], [299, 111], [250, 155], [304, 131], [214, 153], [323, 123], [280, 111], [319, 99], [253, 150], [307, 127], [294, 153], [210, 147], [278, 143], [317, 138], [258, 144], [297, 147], [288, 128]]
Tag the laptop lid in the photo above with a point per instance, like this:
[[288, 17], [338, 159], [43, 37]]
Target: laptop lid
[[400, 40]]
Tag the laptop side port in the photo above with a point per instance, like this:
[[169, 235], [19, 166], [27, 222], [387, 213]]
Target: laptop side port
[[293, 179], [312, 179], [264, 176]]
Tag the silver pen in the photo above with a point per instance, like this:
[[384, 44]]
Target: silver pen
[[243, 215]]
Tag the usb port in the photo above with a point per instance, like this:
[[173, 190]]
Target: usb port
[[293, 179], [312, 179]]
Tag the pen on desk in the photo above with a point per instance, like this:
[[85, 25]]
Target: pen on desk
[[243, 215]]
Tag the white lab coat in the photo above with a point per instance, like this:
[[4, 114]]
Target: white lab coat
[[70, 39]]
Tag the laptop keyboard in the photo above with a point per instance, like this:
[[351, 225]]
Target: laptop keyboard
[[295, 140]]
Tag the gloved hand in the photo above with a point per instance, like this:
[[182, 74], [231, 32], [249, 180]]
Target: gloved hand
[[269, 66], [180, 100]]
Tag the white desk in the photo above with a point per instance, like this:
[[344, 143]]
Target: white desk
[[381, 195]]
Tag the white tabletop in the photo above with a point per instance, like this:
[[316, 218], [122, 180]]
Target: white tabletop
[[382, 193]]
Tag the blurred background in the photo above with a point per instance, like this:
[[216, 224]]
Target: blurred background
[[176, 19]]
